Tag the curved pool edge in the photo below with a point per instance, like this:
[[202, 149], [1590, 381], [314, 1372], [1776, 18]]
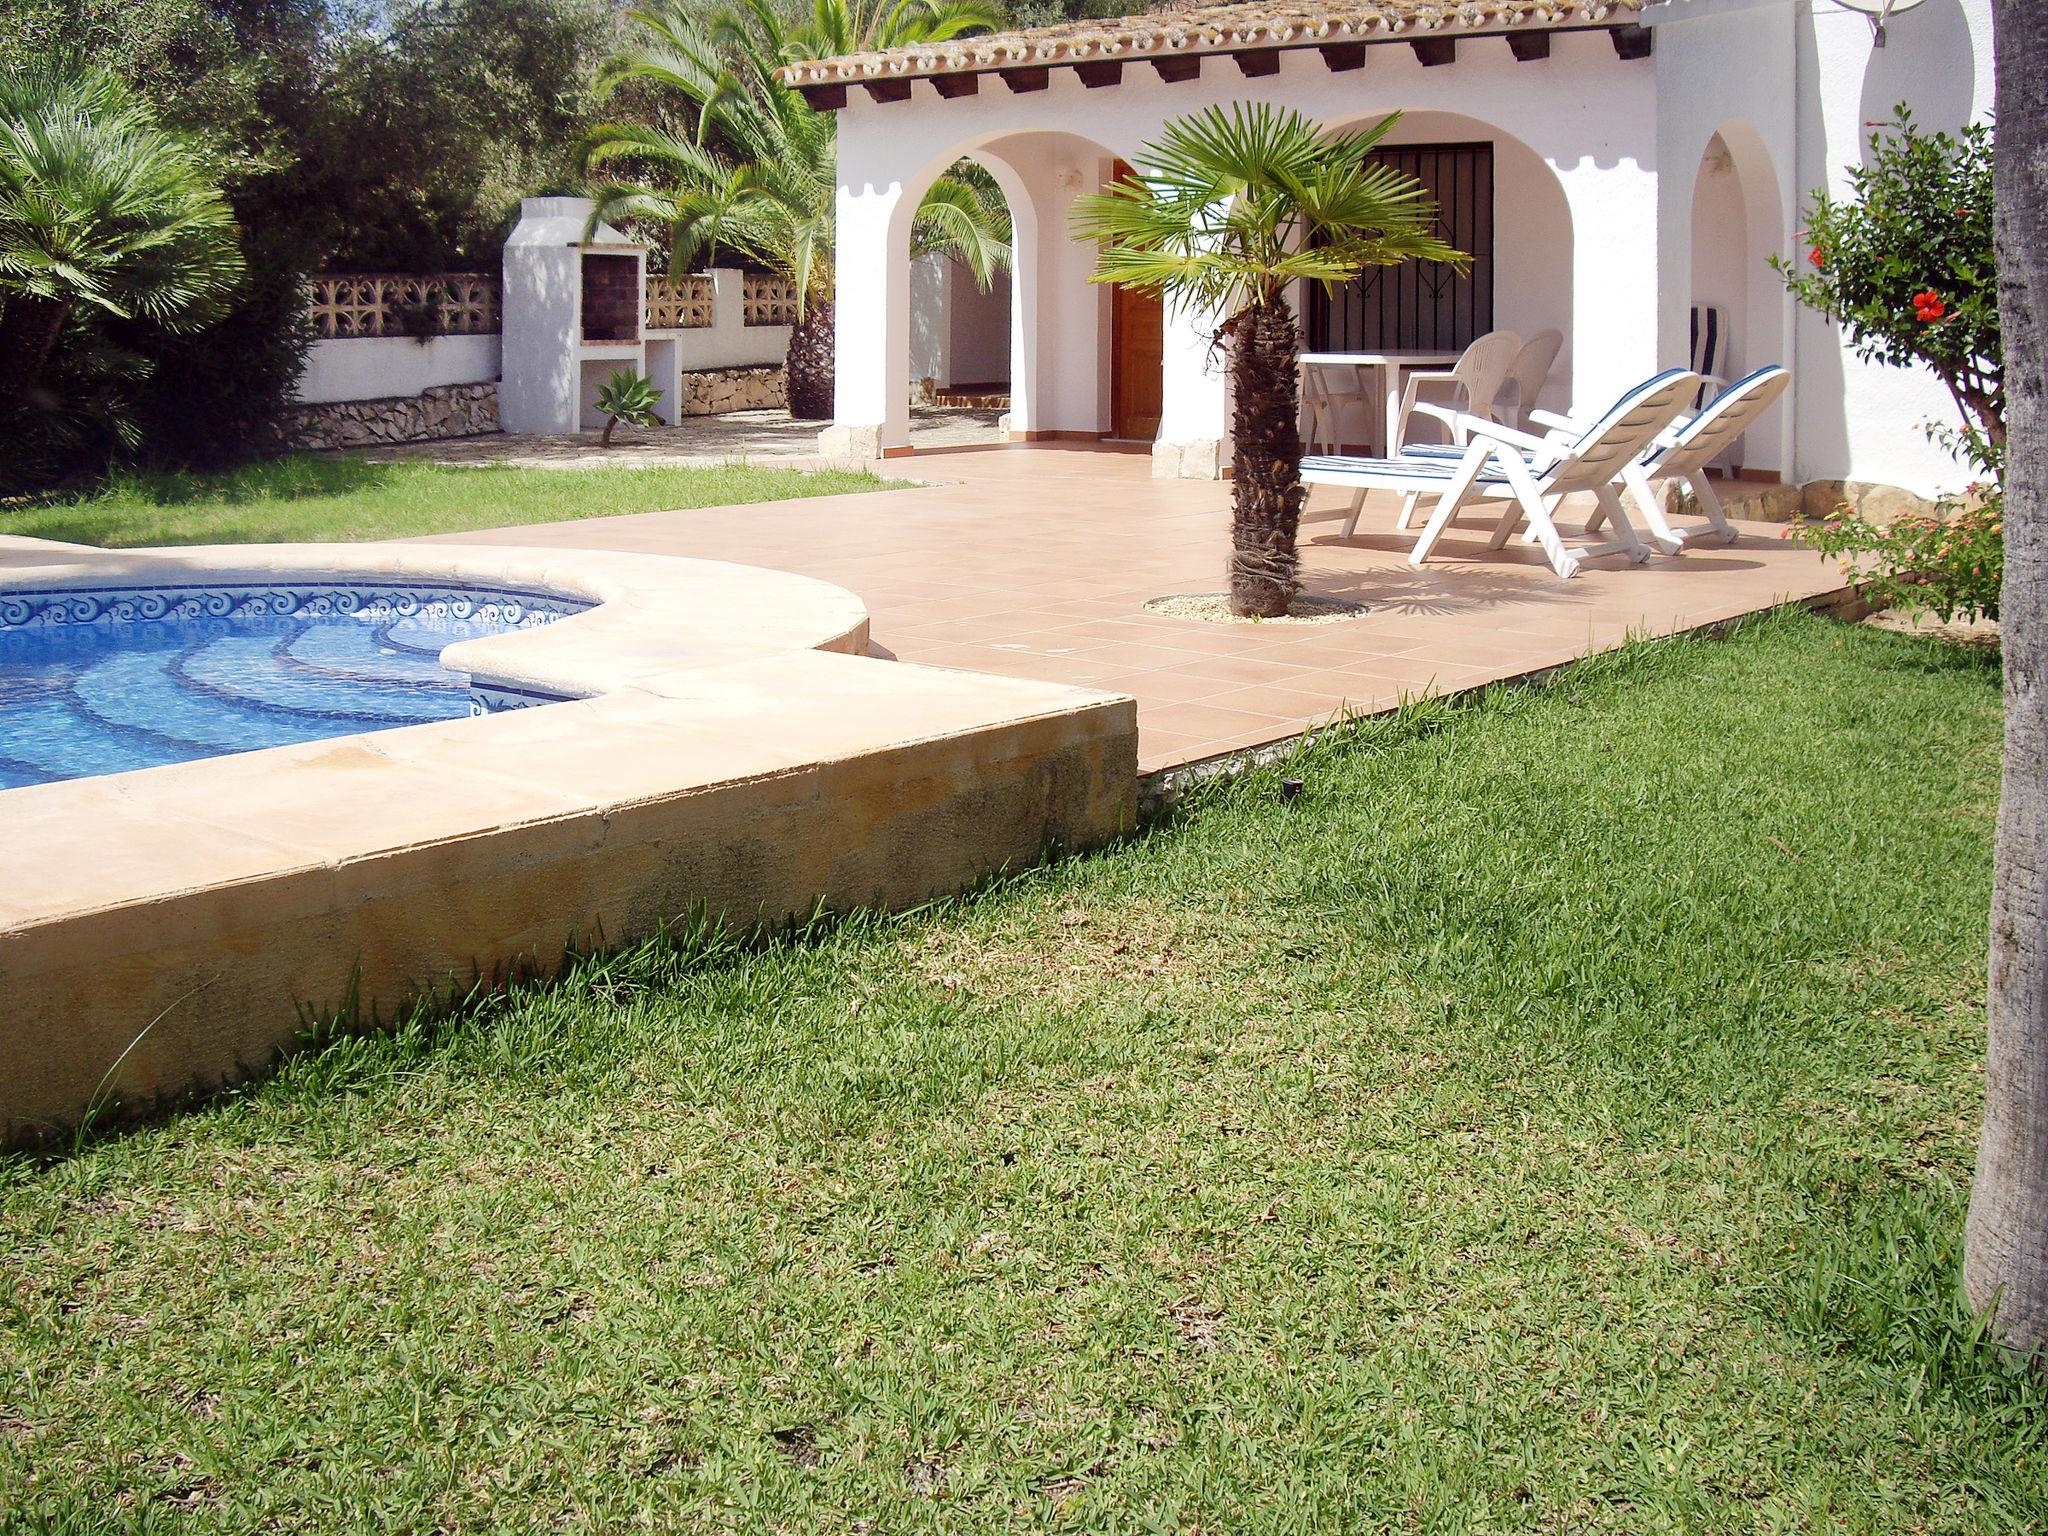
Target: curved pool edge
[[731, 748], [649, 609]]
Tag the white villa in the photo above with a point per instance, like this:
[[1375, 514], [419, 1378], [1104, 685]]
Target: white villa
[[1610, 164]]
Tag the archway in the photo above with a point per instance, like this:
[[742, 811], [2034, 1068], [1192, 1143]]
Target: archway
[[960, 331], [1738, 307], [1052, 334]]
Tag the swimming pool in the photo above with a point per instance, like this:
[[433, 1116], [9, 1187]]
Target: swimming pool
[[108, 679]]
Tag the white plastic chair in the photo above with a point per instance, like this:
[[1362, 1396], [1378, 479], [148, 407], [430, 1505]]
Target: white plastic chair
[[1527, 376], [1474, 383], [1331, 392], [1532, 474]]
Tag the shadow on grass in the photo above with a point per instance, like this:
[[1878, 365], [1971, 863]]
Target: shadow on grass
[[295, 477]]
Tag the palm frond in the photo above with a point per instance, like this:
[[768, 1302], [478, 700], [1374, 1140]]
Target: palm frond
[[753, 172], [101, 206], [1234, 203]]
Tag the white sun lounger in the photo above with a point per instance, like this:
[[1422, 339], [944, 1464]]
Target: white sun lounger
[[1531, 474], [1684, 450]]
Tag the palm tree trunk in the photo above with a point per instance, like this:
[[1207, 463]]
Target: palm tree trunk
[[809, 363], [1265, 492], [29, 326], [2005, 1250]]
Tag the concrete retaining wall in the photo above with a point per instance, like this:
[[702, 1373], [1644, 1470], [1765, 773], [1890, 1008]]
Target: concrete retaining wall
[[389, 367]]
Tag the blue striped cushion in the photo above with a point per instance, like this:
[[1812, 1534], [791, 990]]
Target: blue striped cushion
[[1421, 473]]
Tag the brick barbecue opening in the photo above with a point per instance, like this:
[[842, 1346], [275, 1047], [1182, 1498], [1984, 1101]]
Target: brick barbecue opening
[[611, 298]]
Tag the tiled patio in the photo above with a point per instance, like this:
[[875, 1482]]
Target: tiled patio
[[1038, 561]]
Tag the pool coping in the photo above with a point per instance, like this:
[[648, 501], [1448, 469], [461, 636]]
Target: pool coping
[[728, 746]]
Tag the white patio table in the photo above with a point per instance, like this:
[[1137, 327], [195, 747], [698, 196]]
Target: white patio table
[[1392, 365]]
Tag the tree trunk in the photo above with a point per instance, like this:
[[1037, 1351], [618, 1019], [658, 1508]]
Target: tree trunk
[[2005, 1251], [1265, 490], [609, 423], [29, 326], [809, 364]]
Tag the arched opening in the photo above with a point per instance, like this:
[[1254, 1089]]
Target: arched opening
[[1500, 202], [1043, 325], [960, 324], [1738, 312]]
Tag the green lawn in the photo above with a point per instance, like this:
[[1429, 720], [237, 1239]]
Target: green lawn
[[319, 497], [1558, 1117]]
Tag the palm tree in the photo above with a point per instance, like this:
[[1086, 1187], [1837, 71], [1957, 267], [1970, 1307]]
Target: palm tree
[[1227, 210], [102, 209], [2005, 1247], [753, 170]]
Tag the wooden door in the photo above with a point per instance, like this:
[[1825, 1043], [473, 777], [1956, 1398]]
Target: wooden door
[[1136, 355], [1137, 351]]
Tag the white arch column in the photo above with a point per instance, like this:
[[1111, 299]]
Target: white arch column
[[1194, 415], [1622, 330], [871, 326]]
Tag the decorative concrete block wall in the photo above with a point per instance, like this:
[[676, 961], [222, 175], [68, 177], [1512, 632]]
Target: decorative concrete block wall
[[402, 359]]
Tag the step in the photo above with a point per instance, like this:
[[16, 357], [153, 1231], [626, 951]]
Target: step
[[243, 668]]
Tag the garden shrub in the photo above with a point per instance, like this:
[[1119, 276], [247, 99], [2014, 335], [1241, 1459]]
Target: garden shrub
[[1905, 265]]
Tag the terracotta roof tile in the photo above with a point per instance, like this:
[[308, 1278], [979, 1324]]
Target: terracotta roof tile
[[1213, 28]]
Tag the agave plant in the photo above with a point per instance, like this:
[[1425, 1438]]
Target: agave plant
[[1227, 211], [752, 172], [629, 397], [100, 208]]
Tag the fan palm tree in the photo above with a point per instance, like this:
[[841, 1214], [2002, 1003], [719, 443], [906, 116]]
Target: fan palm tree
[[753, 170], [1228, 209], [102, 209]]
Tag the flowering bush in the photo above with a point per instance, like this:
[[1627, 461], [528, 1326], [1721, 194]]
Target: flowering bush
[[1904, 264], [1951, 563]]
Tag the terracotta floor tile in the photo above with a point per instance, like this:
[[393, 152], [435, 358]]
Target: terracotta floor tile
[[1312, 705], [1163, 687], [1243, 670], [1204, 719], [1140, 658], [1038, 561]]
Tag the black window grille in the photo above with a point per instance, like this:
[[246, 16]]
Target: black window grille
[[1421, 305]]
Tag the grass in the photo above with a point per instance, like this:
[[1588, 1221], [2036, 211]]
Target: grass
[[320, 497], [1556, 1117]]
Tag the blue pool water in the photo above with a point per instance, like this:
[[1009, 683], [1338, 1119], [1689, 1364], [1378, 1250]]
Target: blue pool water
[[113, 679]]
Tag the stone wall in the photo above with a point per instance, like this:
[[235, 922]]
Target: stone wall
[[716, 390], [449, 410]]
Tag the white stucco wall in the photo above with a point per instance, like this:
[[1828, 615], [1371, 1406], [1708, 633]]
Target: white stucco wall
[[542, 304], [1806, 79], [1587, 114], [728, 342], [958, 334], [1607, 226], [1720, 250], [1937, 58], [383, 367], [931, 337]]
